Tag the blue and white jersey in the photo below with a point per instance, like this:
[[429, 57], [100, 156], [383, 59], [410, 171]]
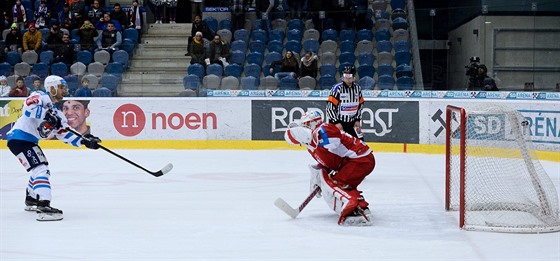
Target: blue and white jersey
[[30, 126]]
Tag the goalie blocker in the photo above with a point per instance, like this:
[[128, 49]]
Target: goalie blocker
[[343, 163]]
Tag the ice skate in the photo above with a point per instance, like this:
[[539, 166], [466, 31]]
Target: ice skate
[[358, 218], [47, 213], [30, 202]]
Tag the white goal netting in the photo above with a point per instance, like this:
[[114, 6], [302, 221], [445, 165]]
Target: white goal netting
[[492, 165]]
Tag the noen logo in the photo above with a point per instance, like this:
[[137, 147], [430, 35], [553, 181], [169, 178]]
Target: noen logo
[[129, 120]]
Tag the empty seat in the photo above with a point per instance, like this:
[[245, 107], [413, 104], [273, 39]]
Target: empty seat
[[386, 82], [295, 24], [402, 57], [225, 24], [294, 46], [275, 46], [311, 34], [211, 82], [233, 69], [382, 24], [276, 35], [6, 69], [364, 46], [253, 70], [130, 33], [30, 58], [84, 57], [188, 93], [400, 23], [259, 35], [307, 83], [46, 56], [347, 35], [272, 57], [395, 13], [13, 58], [249, 83], [401, 46], [398, 4], [366, 58], [379, 5], [22, 69], [367, 83], [257, 46], [384, 46], [405, 83], [215, 69], [128, 46], [382, 35], [328, 69], [241, 34], [192, 82], [102, 92], [110, 82], [269, 83], [329, 34], [288, 83], [347, 46], [365, 34], [328, 58], [114, 68], [72, 82], [366, 70], [384, 58], [279, 24], [96, 68], [404, 70], [121, 57], [294, 35], [326, 82], [225, 35], [40, 69], [256, 58], [197, 69], [102, 56], [311, 45], [385, 69], [229, 83], [347, 58], [400, 35], [328, 46], [60, 69], [239, 45], [212, 23]]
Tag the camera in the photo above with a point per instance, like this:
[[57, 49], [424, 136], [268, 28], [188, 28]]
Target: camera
[[472, 68]]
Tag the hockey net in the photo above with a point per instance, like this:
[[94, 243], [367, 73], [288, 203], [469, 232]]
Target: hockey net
[[493, 176]]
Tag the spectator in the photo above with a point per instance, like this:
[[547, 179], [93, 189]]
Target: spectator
[[95, 12], [87, 34], [296, 7], [196, 7], [66, 18], [157, 7], [42, 15], [19, 17], [55, 6], [4, 87], [197, 50], [308, 65], [77, 7], [263, 9], [110, 39], [238, 9], [482, 82], [37, 84], [359, 12], [14, 40], [83, 90], [20, 90], [288, 66], [200, 26], [119, 15], [171, 10], [219, 51], [54, 37], [65, 52], [32, 39], [102, 23], [136, 19]]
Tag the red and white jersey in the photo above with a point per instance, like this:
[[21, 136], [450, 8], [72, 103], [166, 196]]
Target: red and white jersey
[[330, 146]]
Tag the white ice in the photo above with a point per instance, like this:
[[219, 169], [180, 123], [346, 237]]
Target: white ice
[[218, 205]]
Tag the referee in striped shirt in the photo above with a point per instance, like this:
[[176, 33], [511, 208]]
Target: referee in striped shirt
[[345, 103]]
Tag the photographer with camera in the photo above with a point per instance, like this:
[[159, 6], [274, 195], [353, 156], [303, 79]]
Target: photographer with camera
[[478, 78], [87, 34]]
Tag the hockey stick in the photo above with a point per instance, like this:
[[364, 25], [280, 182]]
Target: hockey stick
[[158, 173], [294, 212]]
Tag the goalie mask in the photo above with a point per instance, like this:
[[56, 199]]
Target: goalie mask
[[311, 119], [298, 135]]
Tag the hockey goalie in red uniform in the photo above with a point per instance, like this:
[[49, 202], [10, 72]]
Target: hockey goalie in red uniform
[[343, 163]]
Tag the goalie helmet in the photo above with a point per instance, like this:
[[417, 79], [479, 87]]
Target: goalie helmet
[[298, 135], [311, 119], [52, 82]]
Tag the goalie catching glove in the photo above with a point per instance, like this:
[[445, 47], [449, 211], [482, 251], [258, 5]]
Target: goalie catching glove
[[90, 141]]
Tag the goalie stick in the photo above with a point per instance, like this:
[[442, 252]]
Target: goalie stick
[[294, 212], [158, 173]]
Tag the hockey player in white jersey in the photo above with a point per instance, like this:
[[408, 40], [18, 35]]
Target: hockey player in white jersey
[[41, 117]]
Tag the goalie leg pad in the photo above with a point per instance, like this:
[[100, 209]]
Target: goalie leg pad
[[315, 181]]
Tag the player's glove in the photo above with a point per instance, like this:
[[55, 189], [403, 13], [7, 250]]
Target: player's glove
[[90, 141], [52, 121]]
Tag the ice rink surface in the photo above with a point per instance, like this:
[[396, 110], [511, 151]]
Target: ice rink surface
[[218, 205]]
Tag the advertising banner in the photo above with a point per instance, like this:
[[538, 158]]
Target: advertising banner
[[10, 111]]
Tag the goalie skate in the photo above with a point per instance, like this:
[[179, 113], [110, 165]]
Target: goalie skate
[[359, 218], [47, 213]]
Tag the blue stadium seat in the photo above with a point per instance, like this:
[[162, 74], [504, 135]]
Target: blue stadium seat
[[121, 57], [401, 46], [326, 82], [13, 58], [238, 57], [294, 46], [385, 69], [288, 83], [259, 35], [295, 24], [275, 46], [131, 34], [197, 69], [329, 34], [402, 57], [239, 45], [102, 92], [312, 45], [365, 58], [347, 58], [347, 35], [225, 24], [256, 58], [128, 46], [249, 83], [367, 83], [405, 83], [84, 57], [276, 35], [382, 35], [400, 23], [384, 46], [253, 70], [73, 34], [233, 69], [272, 57], [328, 69], [366, 70], [212, 23], [295, 35], [386, 82], [398, 4], [40, 69], [192, 82], [110, 82], [215, 69], [241, 34], [257, 46], [60, 69], [347, 46], [404, 70], [46, 56], [6, 69], [114, 68], [72, 82], [365, 34]]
